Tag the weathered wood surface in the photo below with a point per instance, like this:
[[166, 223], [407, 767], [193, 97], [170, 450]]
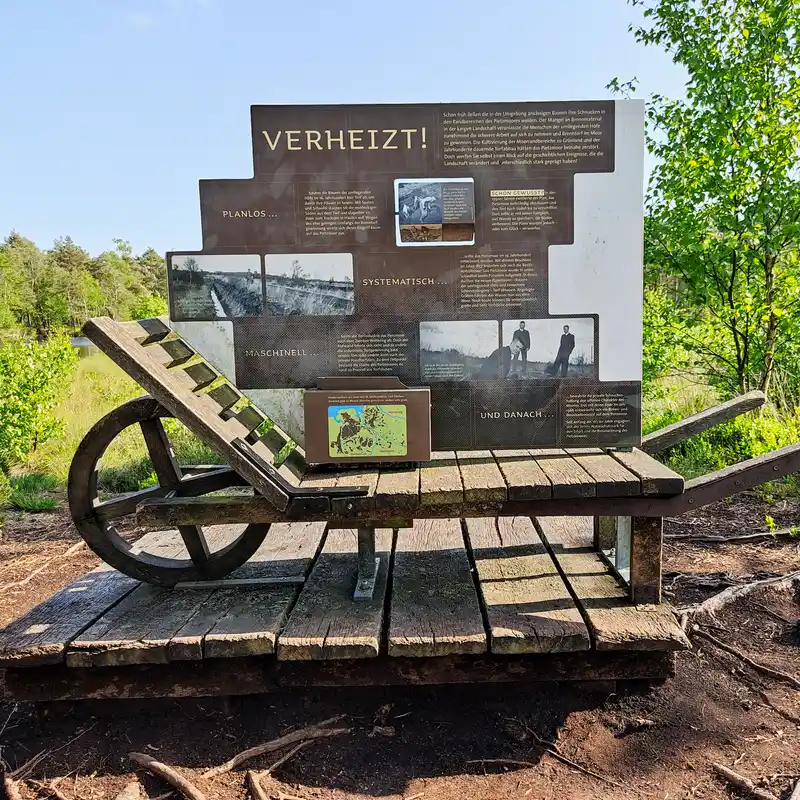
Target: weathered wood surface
[[327, 622], [42, 635], [240, 622], [524, 477], [434, 608], [656, 479], [198, 412], [256, 675], [398, 490], [139, 628], [615, 624], [646, 551], [440, 480], [481, 477], [697, 423], [528, 607], [611, 479], [568, 477]]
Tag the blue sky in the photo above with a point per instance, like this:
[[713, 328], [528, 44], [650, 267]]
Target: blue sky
[[114, 108]]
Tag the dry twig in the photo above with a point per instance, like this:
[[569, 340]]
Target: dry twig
[[255, 787], [709, 608], [764, 670], [25, 769], [283, 759], [772, 613], [745, 538], [317, 731], [52, 791], [168, 774], [780, 711], [740, 782]]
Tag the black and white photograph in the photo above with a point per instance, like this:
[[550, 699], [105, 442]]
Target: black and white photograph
[[317, 284], [419, 202], [549, 348], [459, 351], [208, 287]]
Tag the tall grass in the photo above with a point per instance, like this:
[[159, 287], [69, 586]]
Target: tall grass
[[97, 388]]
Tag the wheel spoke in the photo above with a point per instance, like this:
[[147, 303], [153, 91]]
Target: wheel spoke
[[165, 464], [126, 504], [195, 543]]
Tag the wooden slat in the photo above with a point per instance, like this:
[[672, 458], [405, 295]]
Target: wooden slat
[[202, 374], [528, 607], [525, 478], [398, 489], [43, 634], [434, 610], [148, 331], [655, 477], [138, 630], [327, 623], [481, 477], [440, 480], [569, 479], [198, 412], [615, 624], [241, 622], [358, 477], [178, 351], [224, 396], [610, 477]]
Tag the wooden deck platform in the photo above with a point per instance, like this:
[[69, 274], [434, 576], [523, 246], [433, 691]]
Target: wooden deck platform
[[506, 598]]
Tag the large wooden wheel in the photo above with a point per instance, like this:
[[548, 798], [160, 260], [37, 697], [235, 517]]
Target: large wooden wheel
[[95, 520]]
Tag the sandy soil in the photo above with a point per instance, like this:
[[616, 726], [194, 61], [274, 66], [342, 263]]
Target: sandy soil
[[427, 743]]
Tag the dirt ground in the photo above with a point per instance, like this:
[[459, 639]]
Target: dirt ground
[[431, 743]]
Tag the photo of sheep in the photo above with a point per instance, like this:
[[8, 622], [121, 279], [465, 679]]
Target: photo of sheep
[[206, 287], [311, 283], [459, 351], [549, 348]]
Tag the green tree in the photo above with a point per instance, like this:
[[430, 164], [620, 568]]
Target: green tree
[[724, 200], [153, 268]]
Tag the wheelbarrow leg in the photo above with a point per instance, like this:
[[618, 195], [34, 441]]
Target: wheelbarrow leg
[[368, 564]]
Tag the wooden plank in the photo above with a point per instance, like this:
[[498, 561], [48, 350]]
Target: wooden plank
[[327, 623], [440, 480], [398, 489], [481, 477], [524, 477], [42, 635], [568, 477], [686, 428], [435, 610], [655, 477], [357, 477], [610, 477], [528, 607], [257, 675], [148, 331], [197, 412], [615, 623], [244, 622], [139, 628]]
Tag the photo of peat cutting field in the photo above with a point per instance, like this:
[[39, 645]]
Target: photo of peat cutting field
[[459, 351], [205, 287], [313, 283]]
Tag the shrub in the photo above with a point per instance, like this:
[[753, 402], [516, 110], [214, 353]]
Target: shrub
[[28, 492], [33, 377]]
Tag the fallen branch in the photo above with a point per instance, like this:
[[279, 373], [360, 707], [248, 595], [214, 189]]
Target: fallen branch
[[25, 769], [52, 791], [746, 538], [317, 731], [10, 788], [256, 789], [740, 782], [787, 715], [168, 774], [764, 670], [709, 608], [283, 759]]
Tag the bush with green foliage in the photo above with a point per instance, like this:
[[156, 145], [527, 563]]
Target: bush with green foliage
[[33, 377], [29, 492]]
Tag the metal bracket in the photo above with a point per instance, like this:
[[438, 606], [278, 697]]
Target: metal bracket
[[368, 565]]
